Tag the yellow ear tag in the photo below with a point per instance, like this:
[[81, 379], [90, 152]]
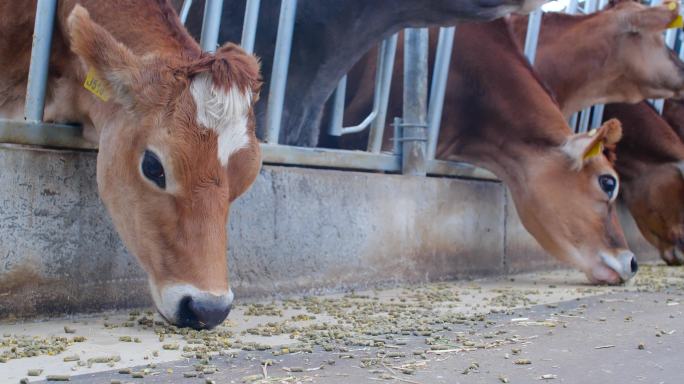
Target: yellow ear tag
[[677, 23], [672, 6], [594, 151], [95, 85]]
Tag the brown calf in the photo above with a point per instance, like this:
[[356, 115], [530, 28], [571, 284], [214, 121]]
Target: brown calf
[[175, 133], [613, 56], [498, 115], [650, 161], [624, 65]]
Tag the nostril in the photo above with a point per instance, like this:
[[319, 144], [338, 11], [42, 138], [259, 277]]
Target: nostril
[[634, 266], [207, 313]]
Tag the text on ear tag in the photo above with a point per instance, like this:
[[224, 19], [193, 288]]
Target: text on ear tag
[[95, 85], [596, 150], [677, 23]]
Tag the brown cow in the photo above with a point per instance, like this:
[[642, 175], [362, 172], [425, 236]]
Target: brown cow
[[498, 115], [673, 113], [175, 133], [613, 56], [650, 162], [627, 61]]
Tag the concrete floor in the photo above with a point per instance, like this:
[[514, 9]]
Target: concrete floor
[[457, 332]]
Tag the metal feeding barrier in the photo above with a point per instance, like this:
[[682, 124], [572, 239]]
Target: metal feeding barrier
[[416, 133]]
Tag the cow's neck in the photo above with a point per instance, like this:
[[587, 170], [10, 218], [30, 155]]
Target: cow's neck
[[501, 117], [575, 66], [647, 140]]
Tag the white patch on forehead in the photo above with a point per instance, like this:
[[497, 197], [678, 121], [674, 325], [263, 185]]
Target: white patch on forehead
[[224, 112]]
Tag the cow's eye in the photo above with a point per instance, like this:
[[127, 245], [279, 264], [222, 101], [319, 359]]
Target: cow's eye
[[608, 184], [153, 169]]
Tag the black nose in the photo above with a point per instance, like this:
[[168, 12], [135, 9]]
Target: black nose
[[202, 313], [634, 265]]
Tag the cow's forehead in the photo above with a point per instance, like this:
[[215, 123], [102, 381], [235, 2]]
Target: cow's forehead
[[226, 112]]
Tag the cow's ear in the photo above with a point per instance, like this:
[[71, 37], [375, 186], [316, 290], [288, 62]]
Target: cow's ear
[[582, 147], [113, 70], [654, 19]]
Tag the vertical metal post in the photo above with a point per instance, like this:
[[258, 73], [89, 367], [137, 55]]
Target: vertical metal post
[[185, 9], [584, 120], [590, 6], [573, 122], [388, 50], [572, 7], [602, 4], [337, 115], [415, 101], [597, 116], [440, 74], [211, 22], [281, 62], [40, 60], [532, 37], [249, 26]]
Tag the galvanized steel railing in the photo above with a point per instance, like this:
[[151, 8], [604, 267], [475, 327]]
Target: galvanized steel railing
[[416, 140]]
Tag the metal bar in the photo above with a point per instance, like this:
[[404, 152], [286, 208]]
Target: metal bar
[[415, 101], [329, 158], [532, 37], [458, 169], [388, 50], [211, 22], [362, 125], [43, 134], [590, 6], [40, 60], [597, 116], [185, 9], [440, 74], [573, 121], [359, 160], [572, 7], [281, 62], [584, 120], [602, 4], [249, 26], [659, 104], [337, 114], [396, 131]]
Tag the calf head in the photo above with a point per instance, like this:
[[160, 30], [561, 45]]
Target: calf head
[[656, 201], [567, 203], [176, 148], [645, 67]]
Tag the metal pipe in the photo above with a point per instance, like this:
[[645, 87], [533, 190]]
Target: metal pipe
[[337, 115], [573, 121], [415, 101], [185, 9], [590, 6], [602, 4], [532, 37], [597, 116], [440, 74], [336, 122], [388, 50], [281, 62], [584, 120], [40, 60], [249, 26], [572, 7], [211, 22]]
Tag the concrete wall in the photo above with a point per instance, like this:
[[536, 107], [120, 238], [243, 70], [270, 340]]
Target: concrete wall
[[296, 230]]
